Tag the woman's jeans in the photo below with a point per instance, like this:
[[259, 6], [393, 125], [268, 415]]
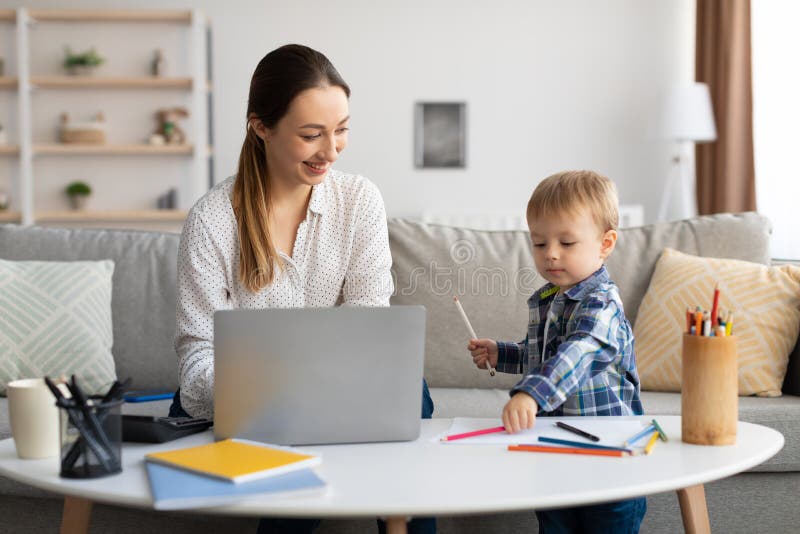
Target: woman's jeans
[[422, 525]]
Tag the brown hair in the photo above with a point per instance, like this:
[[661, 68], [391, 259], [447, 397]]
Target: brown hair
[[279, 77], [569, 191]]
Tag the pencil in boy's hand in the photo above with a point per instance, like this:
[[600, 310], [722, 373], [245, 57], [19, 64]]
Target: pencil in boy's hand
[[472, 332]]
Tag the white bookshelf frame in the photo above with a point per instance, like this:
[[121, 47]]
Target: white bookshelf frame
[[198, 86]]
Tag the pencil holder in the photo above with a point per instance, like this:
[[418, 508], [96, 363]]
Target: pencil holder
[[709, 390], [91, 439]]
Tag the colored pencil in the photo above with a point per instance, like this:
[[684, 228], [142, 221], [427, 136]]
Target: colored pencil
[[652, 443], [472, 331], [582, 444], [577, 431], [639, 435], [474, 433], [566, 450], [661, 433], [715, 307]]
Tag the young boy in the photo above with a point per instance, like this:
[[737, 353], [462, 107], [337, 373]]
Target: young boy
[[578, 355]]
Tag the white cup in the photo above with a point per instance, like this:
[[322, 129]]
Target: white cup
[[34, 418]]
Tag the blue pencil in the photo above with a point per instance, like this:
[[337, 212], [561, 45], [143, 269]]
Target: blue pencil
[[582, 444], [639, 435]]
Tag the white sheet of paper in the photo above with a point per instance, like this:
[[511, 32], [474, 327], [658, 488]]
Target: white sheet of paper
[[612, 431]]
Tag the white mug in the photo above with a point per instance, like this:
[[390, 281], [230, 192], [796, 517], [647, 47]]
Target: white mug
[[34, 418]]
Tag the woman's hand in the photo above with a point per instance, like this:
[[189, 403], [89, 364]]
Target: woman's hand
[[519, 413], [483, 350]]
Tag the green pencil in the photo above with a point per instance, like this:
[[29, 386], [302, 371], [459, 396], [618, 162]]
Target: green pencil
[[661, 433]]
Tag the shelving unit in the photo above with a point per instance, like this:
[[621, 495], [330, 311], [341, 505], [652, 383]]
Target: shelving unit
[[102, 15], [118, 215], [73, 149], [32, 151], [77, 82]]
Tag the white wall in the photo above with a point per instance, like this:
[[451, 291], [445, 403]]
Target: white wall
[[549, 86]]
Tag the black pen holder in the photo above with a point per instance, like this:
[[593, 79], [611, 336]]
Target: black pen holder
[[91, 439]]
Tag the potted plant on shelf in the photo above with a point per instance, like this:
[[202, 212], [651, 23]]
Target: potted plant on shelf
[[82, 63], [78, 193]]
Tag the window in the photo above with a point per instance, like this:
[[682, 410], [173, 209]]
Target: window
[[776, 120]]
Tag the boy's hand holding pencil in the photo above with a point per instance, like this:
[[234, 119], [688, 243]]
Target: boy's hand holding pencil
[[484, 361], [484, 352]]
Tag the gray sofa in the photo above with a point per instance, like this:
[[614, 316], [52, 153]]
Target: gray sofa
[[493, 274]]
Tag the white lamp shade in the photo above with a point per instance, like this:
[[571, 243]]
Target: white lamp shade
[[687, 115]]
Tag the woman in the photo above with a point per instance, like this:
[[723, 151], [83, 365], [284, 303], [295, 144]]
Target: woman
[[287, 230]]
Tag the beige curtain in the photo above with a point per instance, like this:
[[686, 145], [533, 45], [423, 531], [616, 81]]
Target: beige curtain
[[725, 168]]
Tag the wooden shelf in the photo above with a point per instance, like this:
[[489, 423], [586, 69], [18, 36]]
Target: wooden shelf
[[8, 15], [9, 150], [102, 15], [89, 82], [57, 149], [10, 217], [7, 82], [111, 216]]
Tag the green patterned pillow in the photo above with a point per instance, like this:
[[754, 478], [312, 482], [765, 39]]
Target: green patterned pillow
[[55, 319]]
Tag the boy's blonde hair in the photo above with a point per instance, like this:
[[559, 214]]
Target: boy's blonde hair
[[569, 191]]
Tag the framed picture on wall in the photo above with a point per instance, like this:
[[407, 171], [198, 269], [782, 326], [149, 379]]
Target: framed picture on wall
[[440, 135]]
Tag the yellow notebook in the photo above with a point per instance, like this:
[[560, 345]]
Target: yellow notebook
[[236, 460]]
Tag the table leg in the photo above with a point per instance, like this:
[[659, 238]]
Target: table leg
[[396, 525], [76, 515], [693, 510]]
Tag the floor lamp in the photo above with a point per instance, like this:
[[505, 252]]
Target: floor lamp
[[687, 118]]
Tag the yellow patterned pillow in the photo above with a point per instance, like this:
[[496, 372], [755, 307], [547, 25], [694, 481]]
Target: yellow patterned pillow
[[766, 306]]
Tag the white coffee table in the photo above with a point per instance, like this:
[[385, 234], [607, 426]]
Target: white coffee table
[[425, 478]]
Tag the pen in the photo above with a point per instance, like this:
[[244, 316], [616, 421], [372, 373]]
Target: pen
[[566, 450], [474, 433], [90, 428], [582, 445], [577, 431], [472, 332]]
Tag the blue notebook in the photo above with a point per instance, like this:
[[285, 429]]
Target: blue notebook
[[175, 489]]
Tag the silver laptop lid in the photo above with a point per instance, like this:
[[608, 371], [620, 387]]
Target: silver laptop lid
[[305, 376]]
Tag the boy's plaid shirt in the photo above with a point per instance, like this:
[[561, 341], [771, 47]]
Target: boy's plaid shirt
[[589, 367]]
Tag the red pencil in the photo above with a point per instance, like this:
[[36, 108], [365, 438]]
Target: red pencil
[[566, 450], [474, 433], [715, 307]]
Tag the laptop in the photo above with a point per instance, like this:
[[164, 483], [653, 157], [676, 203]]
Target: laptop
[[308, 376]]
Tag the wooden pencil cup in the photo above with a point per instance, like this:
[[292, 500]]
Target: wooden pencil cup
[[710, 390]]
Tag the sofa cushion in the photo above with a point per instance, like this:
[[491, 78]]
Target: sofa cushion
[[143, 290], [765, 302], [493, 274], [55, 319], [741, 236]]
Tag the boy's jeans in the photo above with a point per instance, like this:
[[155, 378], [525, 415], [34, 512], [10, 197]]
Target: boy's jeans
[[621, 517], [422, 525]]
